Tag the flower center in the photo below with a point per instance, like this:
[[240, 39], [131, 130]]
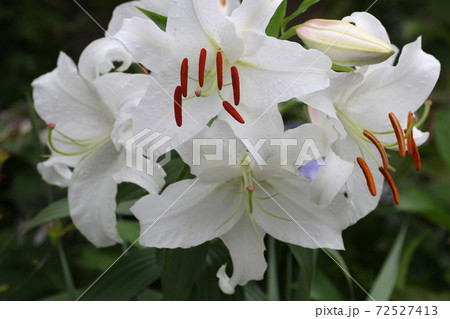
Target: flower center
[[209, 81], [362, 136]]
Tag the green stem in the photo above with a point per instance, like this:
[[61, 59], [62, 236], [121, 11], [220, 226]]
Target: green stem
[[289, 33], [66, 271], [39, 147], [289, 276], [272, 281]]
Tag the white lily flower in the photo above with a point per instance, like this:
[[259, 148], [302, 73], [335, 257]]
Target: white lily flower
[[238, 200], [208, 63], [373, 107], [89, 122]]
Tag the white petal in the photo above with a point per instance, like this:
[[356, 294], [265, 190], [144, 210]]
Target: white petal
[[247, 253], [128, 10], [273, 70], [150, 182], [309, 225], [398, 89], [370, 24], [92, 197], [228, 6], [193, 25], [187, 213], [330, 179], [147, 43], [55, 173], [98, 57], [254, 15], [156, 115], [64, 98], [214, 146]]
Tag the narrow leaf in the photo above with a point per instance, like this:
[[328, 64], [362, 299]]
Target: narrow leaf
[[442, 133], [337, 257], [274, 27], [127, 278], [306, 258], [301, 9], [253, 292], [181, 271], [160, 21], [58, 209], [387, 277]]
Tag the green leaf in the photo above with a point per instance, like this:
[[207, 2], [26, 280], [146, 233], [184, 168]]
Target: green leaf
[[127, 278], [123, 208], [306, 258], [160, 21], [418, 201], [181, 270], [337, 257], [274, 27], [58, 209], [149, 295], [253, 292], [323, 289], [387, 277], [273, 291], [408, 253], [128, 230], [442, 134], [301, 9]]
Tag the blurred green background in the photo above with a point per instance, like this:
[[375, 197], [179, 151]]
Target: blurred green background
[[30, 263]]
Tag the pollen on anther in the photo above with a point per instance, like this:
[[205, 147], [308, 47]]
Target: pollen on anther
[[201, 67], [368, 175], [251, 189], [177, 98], [219, 65], [236, 85], [51, 126], [399, 134], [233, 112], [184, 73], [391, 183], [375, 141]]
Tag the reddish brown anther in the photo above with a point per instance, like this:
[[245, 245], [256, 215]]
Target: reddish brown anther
[[416, 155], [399, 134], [375, 141], [219, 65], [184, 76], [391, 183], [233, 112], [368, 175], [177, 105], [201, 67], [236, 85]]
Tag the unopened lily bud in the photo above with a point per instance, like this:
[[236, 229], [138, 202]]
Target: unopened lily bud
[[344, 43]]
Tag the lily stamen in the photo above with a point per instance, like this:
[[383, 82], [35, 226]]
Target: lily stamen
[[416, 155], [375, 141], [391, 183], [368, 175], [233, 112], [184, 76], [201, 67], [219, 66], [236, 85], [410, 138], [399, 134], [177, 98]]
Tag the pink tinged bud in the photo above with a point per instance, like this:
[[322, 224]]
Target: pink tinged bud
[[344, 43]]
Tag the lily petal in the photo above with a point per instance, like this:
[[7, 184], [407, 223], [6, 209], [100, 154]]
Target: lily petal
[[247, 253], [188, 213], [92, 197], [254, 15]]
